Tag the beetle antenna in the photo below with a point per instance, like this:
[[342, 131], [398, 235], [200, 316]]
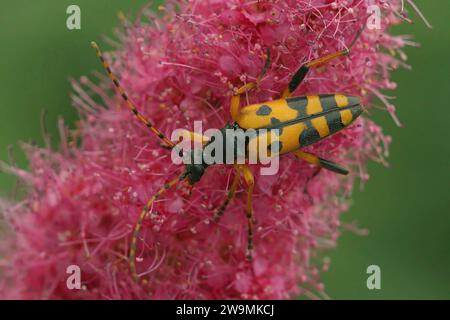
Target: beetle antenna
[[126, 98]]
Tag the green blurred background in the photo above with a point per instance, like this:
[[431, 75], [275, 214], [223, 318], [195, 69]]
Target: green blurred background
[[405, 207]]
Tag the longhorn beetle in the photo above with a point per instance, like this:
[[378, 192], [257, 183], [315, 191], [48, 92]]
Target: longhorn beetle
[[301, 121]]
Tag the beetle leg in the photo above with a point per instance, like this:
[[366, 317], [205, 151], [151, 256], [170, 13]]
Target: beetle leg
[[326, 164], [230, 195], [140, 221], [236, 98], [250, 181], [301, 73], [308, 180]]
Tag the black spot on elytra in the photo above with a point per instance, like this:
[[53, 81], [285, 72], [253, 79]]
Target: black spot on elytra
[[298, 103], [328, 101], [334, 121], [309, 135], [274, 122], [264, 110]]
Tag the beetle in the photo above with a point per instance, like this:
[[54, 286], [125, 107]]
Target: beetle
[[300, 121]]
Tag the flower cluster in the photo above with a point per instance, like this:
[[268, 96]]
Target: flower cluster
[[179, 66]]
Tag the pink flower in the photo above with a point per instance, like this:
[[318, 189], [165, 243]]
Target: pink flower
[[83, 200]]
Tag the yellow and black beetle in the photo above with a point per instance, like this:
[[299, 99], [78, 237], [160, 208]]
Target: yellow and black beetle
[[301, 121]]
